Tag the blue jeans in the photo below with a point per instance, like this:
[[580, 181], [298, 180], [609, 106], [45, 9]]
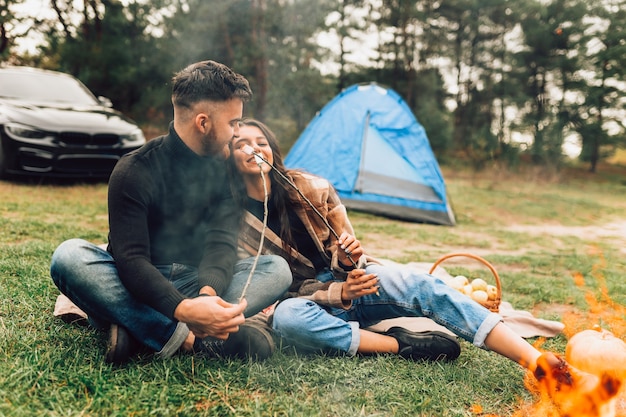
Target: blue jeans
[[87, 275], [403, 293]]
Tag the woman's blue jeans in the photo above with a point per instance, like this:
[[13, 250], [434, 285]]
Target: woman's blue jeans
[[87, 275], [403, 293]]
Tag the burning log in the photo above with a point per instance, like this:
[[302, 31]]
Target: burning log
[[591, 382], [573, 392]]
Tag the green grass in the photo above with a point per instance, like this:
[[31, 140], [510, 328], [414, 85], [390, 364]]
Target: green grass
[[49, 368]]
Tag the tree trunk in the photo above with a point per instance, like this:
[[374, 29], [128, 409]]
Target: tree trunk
[[260, 60]]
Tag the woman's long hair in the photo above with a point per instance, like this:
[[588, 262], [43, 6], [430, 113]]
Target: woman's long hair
[[283, 196]]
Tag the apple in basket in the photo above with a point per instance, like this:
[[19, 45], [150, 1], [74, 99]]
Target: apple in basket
[[458, 282], [492, 292], [479, 284], [480, 296], [468, 290]]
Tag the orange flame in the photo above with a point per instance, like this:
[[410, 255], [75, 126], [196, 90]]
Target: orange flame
[[601, 396]]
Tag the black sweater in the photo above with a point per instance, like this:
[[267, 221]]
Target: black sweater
[[169, 205]]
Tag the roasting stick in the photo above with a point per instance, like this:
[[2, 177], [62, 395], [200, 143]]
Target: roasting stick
[[248, 150], [259, 161]]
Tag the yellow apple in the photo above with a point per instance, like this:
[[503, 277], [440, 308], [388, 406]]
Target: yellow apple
[[456, 284], [492, 292], [467, 290], [479, 284], [480, 296], [461, 280]]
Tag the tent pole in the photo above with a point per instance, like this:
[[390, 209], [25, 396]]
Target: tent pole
[[358, 186]]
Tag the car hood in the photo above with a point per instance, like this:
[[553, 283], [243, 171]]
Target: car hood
[[57, 117]]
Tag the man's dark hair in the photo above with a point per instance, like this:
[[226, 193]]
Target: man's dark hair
[[208, 80]]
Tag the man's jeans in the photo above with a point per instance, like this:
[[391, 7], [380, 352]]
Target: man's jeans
[[87, 275], [403, 293]]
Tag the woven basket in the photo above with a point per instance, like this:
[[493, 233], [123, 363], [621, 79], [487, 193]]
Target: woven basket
[[493, 305]]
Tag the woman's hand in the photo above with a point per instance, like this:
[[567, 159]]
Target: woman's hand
[[359, 284], [349, 248]]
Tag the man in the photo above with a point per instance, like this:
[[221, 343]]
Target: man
[[169, 278]]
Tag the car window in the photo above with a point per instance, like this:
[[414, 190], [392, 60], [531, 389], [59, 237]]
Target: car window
[[44, 88]]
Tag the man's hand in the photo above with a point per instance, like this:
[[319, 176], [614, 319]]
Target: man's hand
[[348, 246], [359, 284], [211, 316]]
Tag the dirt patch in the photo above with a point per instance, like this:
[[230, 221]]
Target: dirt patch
[[554, 309], [388, 247], [614, 231]]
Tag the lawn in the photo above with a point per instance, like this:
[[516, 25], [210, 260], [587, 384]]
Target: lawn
[[558, 244]]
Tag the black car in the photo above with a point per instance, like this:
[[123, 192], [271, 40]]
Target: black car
[[52, 125]]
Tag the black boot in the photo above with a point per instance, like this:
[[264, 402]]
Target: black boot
[[252, 341], [428, 345]]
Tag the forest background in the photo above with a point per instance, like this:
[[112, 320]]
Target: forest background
[[492, 81]]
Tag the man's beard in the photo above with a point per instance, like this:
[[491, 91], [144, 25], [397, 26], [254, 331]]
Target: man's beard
[[212, 145]]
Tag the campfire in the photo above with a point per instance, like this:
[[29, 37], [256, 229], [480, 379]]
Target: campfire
[[592, 348]]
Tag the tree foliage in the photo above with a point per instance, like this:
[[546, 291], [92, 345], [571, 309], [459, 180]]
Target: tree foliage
[[599, 119], [478, 74]]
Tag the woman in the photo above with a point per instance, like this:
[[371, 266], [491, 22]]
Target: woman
[[337, 290]]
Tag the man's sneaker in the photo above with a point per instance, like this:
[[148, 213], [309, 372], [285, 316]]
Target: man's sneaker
[[121, 346], [428, 345], [250, 342]]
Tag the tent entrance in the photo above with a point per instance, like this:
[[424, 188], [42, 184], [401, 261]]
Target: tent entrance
[[384, 171]]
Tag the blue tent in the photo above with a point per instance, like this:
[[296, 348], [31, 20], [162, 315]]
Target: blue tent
[[369, 145]]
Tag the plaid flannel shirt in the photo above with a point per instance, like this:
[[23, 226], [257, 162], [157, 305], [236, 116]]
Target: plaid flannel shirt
[[325, 199]]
